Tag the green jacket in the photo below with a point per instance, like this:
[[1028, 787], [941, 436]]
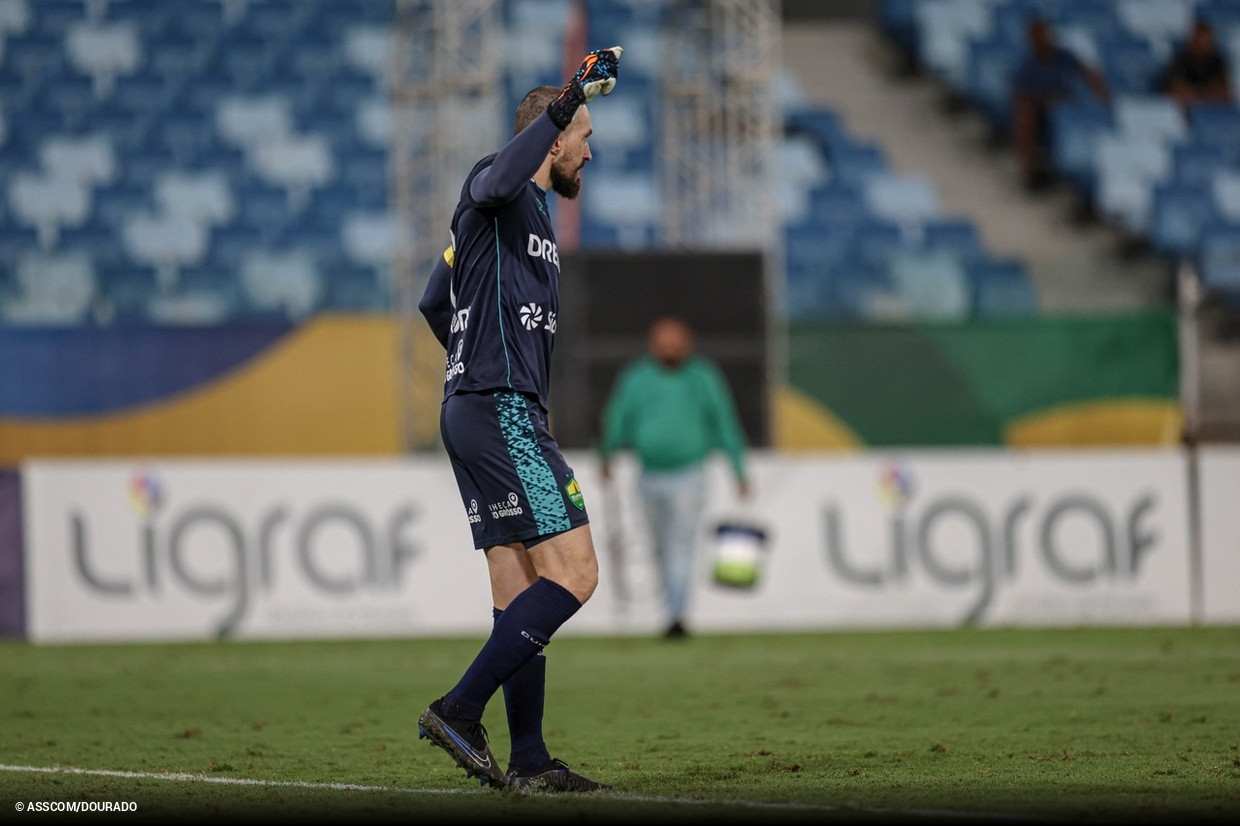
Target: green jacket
[[673, 418]]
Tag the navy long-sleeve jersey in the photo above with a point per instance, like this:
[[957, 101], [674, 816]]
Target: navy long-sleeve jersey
[[493, 297]]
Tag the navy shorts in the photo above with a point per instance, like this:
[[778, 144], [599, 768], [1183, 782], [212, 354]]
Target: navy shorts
[[514, 482]]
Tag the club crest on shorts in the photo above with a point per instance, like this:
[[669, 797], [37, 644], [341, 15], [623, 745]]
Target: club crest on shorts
[[574, 493]]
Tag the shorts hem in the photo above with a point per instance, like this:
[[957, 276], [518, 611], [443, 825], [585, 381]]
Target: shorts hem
[[525, 538]]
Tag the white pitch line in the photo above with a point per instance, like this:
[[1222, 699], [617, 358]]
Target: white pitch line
[[357, 787]]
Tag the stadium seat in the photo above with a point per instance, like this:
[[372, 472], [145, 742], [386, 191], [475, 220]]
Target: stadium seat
[[1161, 22], [370, 238], [907, 200], [861, 292], [1219, 263], [1180, 214], [623, 199], [1225, 187], [1075, 127], [15, 17], [167, 242], [874, 241], [989, 66], [853, 162], [52, 289], [203, 197], [1000, 288], [1195, 162], [932, 286], [944, 30], [356, 289], [286, 283], [1223, 15], [958, 236], [1130, 64], [1150, 116], [104, 52], [1127, 169], [822, 124], [835, 204], [47, 203], [125, 289]]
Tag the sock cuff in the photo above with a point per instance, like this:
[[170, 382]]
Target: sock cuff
[[561, 593]]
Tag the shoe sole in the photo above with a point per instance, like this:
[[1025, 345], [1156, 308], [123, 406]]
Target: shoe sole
[[432, 727]]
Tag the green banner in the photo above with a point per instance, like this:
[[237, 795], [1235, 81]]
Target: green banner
[[1059, 380]]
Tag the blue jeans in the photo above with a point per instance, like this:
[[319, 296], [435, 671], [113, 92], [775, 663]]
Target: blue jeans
[[674, 502]]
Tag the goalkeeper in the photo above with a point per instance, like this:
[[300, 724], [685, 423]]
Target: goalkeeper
[[492, 301]]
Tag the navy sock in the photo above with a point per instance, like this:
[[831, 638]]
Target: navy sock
[[519, 634], [524, 693]]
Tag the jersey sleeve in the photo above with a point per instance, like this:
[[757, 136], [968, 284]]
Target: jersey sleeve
[[515, 164], [436, 302]]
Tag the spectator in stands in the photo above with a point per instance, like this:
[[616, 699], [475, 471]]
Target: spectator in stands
[[672, 408], [1048, 75], [1199, 71]]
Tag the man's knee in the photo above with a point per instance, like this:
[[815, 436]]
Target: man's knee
[[570, 561]]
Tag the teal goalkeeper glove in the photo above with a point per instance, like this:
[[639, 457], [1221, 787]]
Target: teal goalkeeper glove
[[596, 76]]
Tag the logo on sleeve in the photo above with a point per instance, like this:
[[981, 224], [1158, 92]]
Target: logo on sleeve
[[574, 494]]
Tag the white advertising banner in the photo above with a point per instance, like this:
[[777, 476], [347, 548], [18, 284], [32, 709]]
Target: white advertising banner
[[1219, 469], [233, 548], [949, 538], [192, 549]]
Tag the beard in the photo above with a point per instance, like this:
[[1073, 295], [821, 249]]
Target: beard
[[565, 184]]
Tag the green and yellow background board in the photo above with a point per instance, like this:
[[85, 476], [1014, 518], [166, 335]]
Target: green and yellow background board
[[334, 385]]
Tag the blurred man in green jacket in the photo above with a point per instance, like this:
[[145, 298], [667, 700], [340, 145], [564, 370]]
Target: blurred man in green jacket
[[672, 408]]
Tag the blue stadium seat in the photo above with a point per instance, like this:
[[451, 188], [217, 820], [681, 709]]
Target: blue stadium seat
[[952, 234], [36, 55], [231, 242], [862, 292], [126, 287], [1160, 22], [811, 246], [854, 162], [1181, 213], [905, 199], [1223, 15], [1149, 116], [353, 288], [54, 17], [1075, 127], [16, 240], [95, 238], [823, 124], [1096, 16], [116, 201], [1195, 162], [1000, 288], [1225, 187], [988, 77], [1217, 124], [835, 204], [932, 286], [874, 241], [1127, 170], [944, 30], [155, 18], [1219, 262], [1130, 64], [898, 21]]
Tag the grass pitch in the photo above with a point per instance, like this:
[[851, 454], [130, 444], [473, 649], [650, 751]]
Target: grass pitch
[[1088, 725]]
